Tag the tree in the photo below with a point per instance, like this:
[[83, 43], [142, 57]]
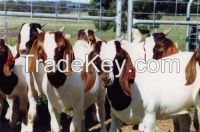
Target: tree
[[94, 10], [109, 9]]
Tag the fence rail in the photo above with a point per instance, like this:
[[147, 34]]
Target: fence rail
[[132, 21], [54, 13], [61, 12], [58, 16]]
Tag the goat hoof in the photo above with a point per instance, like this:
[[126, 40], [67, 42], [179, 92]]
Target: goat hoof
[[27, 128], [30, 118], [55, 130], [141, 127]]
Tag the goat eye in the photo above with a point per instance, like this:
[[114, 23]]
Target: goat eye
[[159, 47]]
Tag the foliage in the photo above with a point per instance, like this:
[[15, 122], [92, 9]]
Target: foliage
[[38, 6], [142, 10]]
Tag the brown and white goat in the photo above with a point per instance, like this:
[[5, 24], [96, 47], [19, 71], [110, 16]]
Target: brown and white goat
[[64, 90], [151, 97], [94, 90], [13, 85], [27, 36]]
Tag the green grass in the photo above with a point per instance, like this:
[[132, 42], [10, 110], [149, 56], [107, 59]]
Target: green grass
[[71, 27], [178, 34]]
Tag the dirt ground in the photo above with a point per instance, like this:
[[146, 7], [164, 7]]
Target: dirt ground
[[162, 126], [42, 123]]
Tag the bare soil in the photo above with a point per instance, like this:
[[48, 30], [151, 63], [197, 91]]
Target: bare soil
[[162, 126]]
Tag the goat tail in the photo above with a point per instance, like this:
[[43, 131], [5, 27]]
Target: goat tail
[[190, 71]]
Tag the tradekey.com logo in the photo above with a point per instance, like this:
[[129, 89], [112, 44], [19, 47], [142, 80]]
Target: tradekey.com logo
[[106, 65]]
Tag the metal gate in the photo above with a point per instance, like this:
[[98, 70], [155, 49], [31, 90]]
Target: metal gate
[[132, 21]]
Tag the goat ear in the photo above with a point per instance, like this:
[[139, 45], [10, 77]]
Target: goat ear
[[6, 70], [17, 46], [96, 51], [197, 54], [129, 69], [88, 78], [128, 74], [70, 54], [118, 46], [32, 60], [91, 55], [97, 47], [190, 70]]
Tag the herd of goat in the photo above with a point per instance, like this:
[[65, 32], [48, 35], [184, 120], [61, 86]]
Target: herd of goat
[[137, 98]]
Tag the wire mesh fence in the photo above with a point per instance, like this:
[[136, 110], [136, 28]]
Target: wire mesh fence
[[163, 10], [160, 15], [21, 12], [54, 13]]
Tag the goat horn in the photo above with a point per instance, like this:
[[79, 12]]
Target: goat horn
[[167, 31], [62, 29], [39, 31], [43, 25]]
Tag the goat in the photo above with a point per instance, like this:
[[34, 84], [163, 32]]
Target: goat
[[149, 97], [64, 91], [11, 71], [161, 48], [93, 87]]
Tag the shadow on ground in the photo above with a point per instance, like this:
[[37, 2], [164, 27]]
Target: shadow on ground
[[42, 123]]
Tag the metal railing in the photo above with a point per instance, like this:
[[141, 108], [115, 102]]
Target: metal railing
[[78, 16], [133, 21]]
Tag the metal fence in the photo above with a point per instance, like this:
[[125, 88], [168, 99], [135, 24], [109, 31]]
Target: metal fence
[[175, 21], [72, 15], [75, 16]]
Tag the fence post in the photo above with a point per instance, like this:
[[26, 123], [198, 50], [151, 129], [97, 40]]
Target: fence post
[[188, 26], [100, 20], [5, 21], [56, 10], [78, 13], [118, 18], [31, 10], [130, 19]]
